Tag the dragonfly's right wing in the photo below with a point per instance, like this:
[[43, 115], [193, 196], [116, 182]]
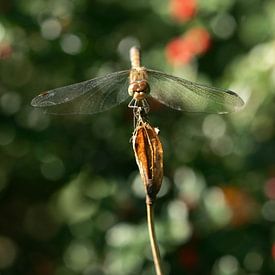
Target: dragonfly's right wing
[[184, 95], [87, 97]]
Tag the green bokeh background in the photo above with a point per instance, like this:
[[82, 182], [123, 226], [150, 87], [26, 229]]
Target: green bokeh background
[[71, 201]]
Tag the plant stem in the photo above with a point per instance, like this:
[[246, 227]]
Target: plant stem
[[153, 239]]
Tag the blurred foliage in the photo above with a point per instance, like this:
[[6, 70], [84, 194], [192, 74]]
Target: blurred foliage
[[71, 199]]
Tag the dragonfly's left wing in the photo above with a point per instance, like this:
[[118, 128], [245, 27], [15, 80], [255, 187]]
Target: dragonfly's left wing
[[184, 95], [87, 97]]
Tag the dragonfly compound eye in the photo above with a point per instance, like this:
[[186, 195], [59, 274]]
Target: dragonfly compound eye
[[143, 86], [138, 87], [133, 87]]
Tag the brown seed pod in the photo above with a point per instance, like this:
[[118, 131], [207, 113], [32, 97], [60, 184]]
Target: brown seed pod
[[149, 157]]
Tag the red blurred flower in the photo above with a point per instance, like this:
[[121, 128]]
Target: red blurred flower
[[5, 50], [180, 51], [243, 206], [270, 188], [183, 10], [188, 257], [273, 251], [198, 39]]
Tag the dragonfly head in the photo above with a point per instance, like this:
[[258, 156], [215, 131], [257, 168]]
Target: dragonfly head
[[138, 89]]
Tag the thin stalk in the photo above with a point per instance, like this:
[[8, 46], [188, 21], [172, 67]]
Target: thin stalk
[[153, 239]]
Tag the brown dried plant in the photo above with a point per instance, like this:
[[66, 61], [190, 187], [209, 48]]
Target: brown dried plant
[[149, 157]]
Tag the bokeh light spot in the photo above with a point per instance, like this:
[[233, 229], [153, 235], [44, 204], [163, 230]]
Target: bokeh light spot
[[268, 210], [121, 234], [223, 25], [7, 135], [19, 148], [165, 186], [222, 146], [213, 126], [78, 255], [99, 188], [216, 206], [105, 220], [51, 29], [253, 261], [228, 265], [138, 186], [71, 44], [125, 44], [52, 168], [34, 119], [124, 261], [139, 191], [180, 229], [189, 184], [177, 210], [10, 102], [70, 202], [254, 28]]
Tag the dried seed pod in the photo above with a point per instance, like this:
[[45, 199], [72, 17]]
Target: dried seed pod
[[149, 157]]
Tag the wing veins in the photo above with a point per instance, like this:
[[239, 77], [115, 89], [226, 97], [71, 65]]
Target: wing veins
[[186, 95]]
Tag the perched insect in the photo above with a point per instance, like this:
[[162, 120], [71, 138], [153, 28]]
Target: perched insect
[[102, 93]]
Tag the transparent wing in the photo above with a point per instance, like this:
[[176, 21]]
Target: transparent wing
[[184, 95], [87, 97]]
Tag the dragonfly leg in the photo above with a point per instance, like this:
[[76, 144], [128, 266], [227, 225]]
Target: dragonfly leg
[[133, 104], [140, 109], [145, 106], [138, 116]]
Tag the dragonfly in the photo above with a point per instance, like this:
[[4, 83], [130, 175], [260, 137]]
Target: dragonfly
[[139, 84]]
